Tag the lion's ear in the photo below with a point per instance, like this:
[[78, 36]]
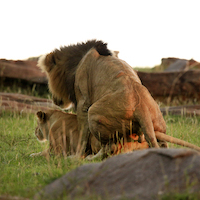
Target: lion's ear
[[41, 116], [46, 62], [50, 61]]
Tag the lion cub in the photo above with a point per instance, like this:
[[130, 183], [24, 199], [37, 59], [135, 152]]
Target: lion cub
[[61, 130]]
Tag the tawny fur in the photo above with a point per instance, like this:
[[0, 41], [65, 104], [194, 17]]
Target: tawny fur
[[107, 93], [69, 58], [61, 130]]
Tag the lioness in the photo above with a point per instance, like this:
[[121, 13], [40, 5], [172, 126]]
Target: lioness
[[61, 129], [106, 91]]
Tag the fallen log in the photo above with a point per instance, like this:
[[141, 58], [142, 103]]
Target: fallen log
[[23, 103], [166, 86], [24, 70], [163, 86], [188, 110], [29, 104]]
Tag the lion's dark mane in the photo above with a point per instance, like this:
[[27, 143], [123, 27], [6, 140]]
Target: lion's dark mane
[[69, 58]]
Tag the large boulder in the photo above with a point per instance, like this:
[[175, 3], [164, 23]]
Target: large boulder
[[178, 65], [145, 174], [173, 64]]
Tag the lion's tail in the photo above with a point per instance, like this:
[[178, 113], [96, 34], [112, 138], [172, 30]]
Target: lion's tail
[[168, 138]]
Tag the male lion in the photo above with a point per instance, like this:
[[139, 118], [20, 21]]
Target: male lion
[[107, 93], [61, 129]]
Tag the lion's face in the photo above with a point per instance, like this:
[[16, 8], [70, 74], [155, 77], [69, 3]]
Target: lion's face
[[42, 129], [39, 134]]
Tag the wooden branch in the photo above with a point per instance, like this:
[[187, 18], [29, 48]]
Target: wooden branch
[[163, 86], [185, 84], [23, 103], [190, 110], [24, 70]]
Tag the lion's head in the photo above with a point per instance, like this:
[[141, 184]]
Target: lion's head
[[42, 129], [60, 67], [61, 130]]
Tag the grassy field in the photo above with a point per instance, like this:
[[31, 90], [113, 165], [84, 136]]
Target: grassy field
[[22, 175]]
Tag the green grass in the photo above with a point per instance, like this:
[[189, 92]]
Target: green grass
[[22, 175], [157, 68], [186, 196], [185, 128], [144, 69]]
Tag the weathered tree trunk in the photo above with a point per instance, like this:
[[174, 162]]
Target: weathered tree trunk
[[24, 70], [166, 86], [187, 110], [23, 103]]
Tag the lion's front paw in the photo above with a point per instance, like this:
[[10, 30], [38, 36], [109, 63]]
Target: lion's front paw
[[100, 154], [90, 157], [35, 154]]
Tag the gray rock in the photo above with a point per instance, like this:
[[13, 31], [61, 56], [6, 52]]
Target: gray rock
[[178, 65], [145, 174]]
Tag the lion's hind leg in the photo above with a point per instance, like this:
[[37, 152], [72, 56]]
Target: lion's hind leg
[[143, 116]]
